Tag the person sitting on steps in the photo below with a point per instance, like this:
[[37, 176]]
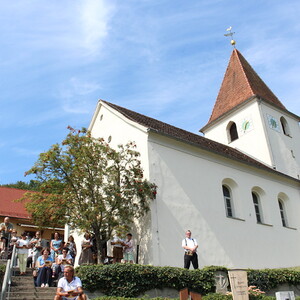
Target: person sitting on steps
[[44, 263], [69, 287], [61, 262]]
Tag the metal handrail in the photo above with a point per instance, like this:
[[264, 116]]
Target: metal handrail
[[8, 272]]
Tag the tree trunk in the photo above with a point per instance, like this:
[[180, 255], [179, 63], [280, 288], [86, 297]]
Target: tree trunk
[[100, 249]]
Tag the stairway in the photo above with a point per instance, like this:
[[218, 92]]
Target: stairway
[[22, 288]]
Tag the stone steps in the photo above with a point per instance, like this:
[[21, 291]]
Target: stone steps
[[32, 294], [22, 288]]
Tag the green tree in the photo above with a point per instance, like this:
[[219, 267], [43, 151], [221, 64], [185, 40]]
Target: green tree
[[32, 185], [46, 209], [99, 188]]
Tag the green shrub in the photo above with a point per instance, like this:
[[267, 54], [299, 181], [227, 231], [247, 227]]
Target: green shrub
[[268, 279], [207, 297], [128, 280], [123, 298]]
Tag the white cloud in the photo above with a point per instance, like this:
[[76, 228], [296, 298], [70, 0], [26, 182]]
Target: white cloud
[[94, 18], [55, 29]]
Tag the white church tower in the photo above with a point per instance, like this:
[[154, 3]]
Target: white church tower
[[249, 117]]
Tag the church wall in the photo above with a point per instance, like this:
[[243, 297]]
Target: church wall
[[251, 132], [285, 145], [111, 124], [121, 131], [190, 197]]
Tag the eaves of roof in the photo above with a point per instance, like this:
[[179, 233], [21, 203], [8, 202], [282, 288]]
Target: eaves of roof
[[184, 136], [245, 102]]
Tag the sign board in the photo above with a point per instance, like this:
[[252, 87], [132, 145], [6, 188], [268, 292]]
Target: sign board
[[239, 284]]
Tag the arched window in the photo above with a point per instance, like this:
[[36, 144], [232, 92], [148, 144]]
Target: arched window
[[285, 126], [232, 132], [257, 207], [228, 201], [282, 213]]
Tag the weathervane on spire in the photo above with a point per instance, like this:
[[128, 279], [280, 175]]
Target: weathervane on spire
[[232, 42]]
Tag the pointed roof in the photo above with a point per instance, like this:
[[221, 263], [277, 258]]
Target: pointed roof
[[240, 83]]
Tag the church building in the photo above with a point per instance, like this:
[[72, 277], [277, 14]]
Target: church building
[[236, 188]]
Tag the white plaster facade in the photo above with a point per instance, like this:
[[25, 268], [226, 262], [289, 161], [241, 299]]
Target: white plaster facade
[[190, 196]]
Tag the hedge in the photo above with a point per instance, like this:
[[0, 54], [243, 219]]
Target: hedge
[[268, 279], [207, 297], [131, 280]]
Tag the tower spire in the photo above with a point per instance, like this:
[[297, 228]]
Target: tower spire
[[240, 83]]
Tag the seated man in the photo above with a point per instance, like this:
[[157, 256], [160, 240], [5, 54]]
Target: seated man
[[69, 287]]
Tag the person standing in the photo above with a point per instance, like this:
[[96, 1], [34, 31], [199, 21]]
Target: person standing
[[71, 245], [22, 245], [86, 256], [36, 244], [117, 249], [190, 246], [56, 245], [5, 231], [128, 249], [13, 241]]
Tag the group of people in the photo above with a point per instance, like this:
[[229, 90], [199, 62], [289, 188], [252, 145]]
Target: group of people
[[48, 262], [122, 250], [68, 286], [56, 261]]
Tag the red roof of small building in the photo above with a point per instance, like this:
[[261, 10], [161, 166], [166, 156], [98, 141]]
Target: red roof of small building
[[9, 208], [240, 83]]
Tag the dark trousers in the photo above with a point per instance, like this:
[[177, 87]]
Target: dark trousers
[[44, 276], [29, 262], [191, 258]]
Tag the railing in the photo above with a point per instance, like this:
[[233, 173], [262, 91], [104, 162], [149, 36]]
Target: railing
[[8, 273]]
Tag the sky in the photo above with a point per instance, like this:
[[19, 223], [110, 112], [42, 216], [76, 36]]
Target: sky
[[165, 59]]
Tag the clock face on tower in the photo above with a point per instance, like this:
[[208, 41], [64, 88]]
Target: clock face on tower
[[273, 123], [246, 125]]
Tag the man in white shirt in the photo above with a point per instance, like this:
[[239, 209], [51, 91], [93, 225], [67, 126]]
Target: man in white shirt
[[190, 250], [69, 287]]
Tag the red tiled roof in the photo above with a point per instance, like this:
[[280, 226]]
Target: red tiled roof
[[240, 83], [9, 208], [190, 138]]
